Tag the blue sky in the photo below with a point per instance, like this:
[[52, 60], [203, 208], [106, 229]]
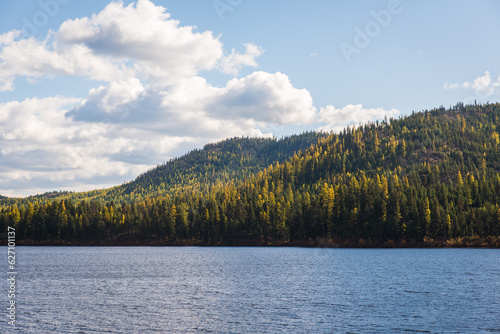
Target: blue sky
[[93, 94]]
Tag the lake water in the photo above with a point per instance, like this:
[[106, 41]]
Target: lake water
[[256, 290]]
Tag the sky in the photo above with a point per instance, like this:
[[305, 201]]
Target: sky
[[94, 93]]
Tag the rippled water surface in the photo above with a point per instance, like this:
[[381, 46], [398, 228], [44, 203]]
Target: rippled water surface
[[256, 290]]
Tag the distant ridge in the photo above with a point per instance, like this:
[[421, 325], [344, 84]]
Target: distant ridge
[[230, 160]]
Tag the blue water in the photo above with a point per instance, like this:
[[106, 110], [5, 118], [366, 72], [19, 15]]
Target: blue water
[[256, 290]]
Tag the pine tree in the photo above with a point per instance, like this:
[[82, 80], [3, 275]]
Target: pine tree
[[427, 212]]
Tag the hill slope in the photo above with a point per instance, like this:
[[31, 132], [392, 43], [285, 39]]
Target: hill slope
[[230, 160], [429, 176]]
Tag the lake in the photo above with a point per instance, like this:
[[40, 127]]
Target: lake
[[256, 290]]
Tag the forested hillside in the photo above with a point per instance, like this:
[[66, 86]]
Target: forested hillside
[[230, 160], [433, 175]]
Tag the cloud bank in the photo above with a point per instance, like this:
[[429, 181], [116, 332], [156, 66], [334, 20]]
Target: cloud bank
[[149, 103]]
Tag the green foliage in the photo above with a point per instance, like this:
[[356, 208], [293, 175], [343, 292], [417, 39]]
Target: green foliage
[[432, 175], [230, 160]]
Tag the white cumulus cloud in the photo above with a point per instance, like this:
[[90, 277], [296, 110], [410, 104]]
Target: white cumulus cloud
[[146, 33], [483, 86], [233, 63], [265, 97]]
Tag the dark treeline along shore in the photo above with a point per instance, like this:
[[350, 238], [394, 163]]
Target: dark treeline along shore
[[427, 179]]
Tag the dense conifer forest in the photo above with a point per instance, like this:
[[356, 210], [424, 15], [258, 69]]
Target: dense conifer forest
[[430, 178]]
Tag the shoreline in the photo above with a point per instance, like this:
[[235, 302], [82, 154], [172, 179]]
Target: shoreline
[[466, 242]]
